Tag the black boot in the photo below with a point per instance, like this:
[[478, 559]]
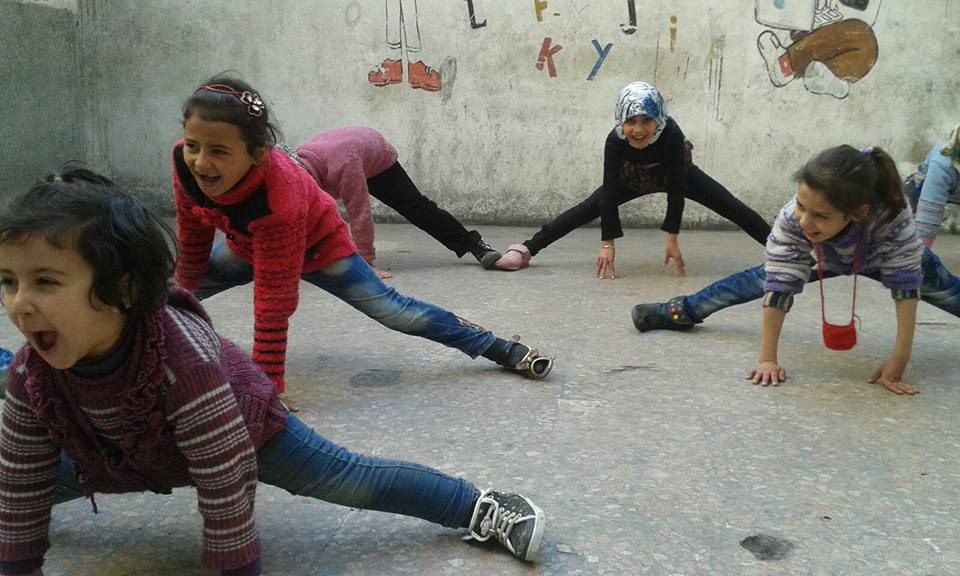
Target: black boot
[[662, 316], [484, 254]]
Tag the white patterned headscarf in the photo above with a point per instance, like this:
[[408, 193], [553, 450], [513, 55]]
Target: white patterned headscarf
[[640, 98], [952, 148]]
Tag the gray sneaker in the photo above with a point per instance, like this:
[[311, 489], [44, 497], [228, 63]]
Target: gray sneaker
[[513, 520]]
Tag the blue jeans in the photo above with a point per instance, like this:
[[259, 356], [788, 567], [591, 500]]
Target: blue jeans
[[305, 463], [938, 287], [353, 281]]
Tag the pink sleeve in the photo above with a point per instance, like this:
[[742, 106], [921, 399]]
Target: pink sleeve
[[356, 199]]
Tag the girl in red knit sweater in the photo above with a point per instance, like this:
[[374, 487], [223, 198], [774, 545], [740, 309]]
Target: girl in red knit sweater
[[280, 228], [123, 386]]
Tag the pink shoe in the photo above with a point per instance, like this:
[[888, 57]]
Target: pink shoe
[[516, 257]]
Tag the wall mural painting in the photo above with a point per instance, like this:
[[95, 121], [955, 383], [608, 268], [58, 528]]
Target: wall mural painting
[[539, 6], [403, 39], [632, 17], [602, 55], [545, 58], [673, 33], [829, 44], [473, 17]]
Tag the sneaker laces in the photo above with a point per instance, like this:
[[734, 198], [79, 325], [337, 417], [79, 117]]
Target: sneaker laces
[[497, 522], [480, 248]]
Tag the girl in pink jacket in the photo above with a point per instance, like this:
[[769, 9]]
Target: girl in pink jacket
[[352, 164]]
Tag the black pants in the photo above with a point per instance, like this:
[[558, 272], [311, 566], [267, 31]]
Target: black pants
[[395, 189], [701, 188]]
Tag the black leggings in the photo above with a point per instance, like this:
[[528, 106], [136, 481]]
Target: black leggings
[[395, 189], [701, 188]]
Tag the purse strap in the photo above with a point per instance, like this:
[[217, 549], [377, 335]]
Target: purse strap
[[856, 272]]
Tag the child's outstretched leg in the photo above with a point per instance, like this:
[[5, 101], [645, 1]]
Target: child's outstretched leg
[[682, 312], [305, 463], [939, 286], [689, 310], [394, 188], [224, 271], [517, 256], [706, 191], [352, 280]]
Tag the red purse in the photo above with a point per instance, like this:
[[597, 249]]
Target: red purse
[[839, 336]]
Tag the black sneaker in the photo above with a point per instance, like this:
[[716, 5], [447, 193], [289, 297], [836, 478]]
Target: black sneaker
[[513, 520], [662, 316], [485, 255]]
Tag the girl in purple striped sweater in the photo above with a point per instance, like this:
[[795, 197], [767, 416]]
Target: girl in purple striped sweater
[[124, 386], [849, 211]]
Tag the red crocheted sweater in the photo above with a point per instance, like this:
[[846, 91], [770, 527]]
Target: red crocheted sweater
[[276, 218]]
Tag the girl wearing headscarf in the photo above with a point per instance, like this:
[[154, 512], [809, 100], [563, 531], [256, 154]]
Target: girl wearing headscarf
[[936, 182], [645, 152]]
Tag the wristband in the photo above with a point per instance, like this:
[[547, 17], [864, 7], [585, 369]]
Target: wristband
[[904, 294], [781, 300], [606, 245]]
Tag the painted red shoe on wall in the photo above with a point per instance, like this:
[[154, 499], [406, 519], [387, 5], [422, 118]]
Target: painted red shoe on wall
[[390, 72], [423, 77]]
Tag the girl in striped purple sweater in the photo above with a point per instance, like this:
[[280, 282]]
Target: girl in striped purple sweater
[[124, 386], [850, 209]]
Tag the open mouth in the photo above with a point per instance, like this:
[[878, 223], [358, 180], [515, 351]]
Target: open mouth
[[207, 181], [45, 340]]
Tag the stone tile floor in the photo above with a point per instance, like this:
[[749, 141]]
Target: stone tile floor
[[649, 453]]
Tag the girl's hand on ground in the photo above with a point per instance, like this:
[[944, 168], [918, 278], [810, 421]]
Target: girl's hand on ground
[[605, 267], [890, 376], [382, 274], [767, 374], [672, 251]]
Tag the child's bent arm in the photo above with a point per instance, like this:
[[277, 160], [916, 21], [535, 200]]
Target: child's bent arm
[[890, 374], [356, 200], [195, 240], [768, 371], [672, 251], [940, 179], [906, 326], [30, 467], [211, 434], [278, 248], [605, 268], [773, 318]]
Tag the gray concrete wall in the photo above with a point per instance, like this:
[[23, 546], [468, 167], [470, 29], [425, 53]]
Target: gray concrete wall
[[503, 140], [39, 115]]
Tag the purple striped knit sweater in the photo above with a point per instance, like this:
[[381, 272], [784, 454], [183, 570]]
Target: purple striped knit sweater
[[892, 248], [188, 408]]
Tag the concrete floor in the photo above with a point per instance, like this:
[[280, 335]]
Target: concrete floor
[[648, 453]]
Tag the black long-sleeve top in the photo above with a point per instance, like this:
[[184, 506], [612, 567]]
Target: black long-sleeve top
[[627, 169]]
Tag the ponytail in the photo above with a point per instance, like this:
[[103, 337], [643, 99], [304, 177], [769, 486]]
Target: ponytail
[[889, 184]]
